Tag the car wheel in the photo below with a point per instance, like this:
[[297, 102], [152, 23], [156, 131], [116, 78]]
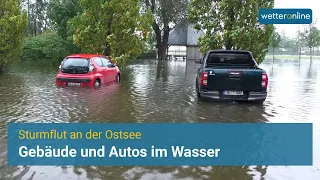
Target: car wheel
[[260, 101], [198, 91], [118, 78], [97, 83]]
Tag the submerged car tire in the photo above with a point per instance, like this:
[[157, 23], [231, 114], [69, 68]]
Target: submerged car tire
[[198, 94], [118, 78], [198, 91], [261, 101], [97, 83]]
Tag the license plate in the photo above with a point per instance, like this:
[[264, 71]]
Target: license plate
[[73, 84], [233, 93]]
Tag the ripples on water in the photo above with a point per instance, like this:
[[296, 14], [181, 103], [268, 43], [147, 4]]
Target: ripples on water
[[153, 91]]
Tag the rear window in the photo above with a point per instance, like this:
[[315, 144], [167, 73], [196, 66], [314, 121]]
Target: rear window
[[75, 62], [229, 59]]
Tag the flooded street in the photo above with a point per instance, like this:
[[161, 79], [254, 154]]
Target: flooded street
[[158, 91]]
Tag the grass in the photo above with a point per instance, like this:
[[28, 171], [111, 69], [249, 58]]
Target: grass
[[292, 57]]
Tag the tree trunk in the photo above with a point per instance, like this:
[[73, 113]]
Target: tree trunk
[[28, 11], [229, 25], [162, 48], [313, 51], [300, 48], [273, 55], [163, 45], [162, 40], [310, 54], [35, 18], [107, 49]]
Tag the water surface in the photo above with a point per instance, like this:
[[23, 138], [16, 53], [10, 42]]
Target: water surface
[[157, 91]]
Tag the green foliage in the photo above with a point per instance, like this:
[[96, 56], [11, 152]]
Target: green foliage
[[310, 36], [117, 24], [165, 13], [48, 47], [232, 24], [275, 40], [298, 39], [291, 44], [151, 42], [12, 26], [38, 20], [60, 12]]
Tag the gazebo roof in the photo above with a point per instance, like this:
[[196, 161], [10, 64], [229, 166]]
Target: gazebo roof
[[184, 35]]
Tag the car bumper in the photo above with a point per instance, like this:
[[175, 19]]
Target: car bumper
[[66, 81], [249, 96]]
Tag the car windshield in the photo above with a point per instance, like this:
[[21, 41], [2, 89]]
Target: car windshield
[[75, 62], [242, 59]]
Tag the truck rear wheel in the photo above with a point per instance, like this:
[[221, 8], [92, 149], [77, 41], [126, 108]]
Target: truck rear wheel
[[198, 94], [198, 91], [260, 101]]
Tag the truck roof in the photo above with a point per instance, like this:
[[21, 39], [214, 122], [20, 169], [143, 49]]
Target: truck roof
[[231, 51]]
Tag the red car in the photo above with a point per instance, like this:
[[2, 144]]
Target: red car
[[87, 70]]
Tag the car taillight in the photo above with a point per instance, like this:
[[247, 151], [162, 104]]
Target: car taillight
[[204, 79], [264, 82]]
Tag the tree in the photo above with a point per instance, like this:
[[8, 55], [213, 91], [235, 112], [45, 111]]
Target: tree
[[151, 40], [115, 28], [12, 26], [311, 37], [299, 42], [288, 43], [38, 20], [60, 12], [232, 24], [275, 41], [165, 13]]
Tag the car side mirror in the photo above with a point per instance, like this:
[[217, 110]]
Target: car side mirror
[[111, 65]]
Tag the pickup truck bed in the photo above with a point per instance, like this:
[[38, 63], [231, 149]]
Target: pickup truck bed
[[231, 74]]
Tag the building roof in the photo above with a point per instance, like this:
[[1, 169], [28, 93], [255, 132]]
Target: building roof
[[184, 35]]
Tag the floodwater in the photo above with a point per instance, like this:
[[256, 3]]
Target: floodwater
[[153, 91]]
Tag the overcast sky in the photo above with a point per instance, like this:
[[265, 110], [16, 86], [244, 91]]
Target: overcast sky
[[291, 29]]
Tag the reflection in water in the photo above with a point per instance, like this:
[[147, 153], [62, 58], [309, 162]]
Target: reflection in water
[[158, 91], [183, 173]]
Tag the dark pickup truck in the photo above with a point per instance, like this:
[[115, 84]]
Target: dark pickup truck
[[231, 74]]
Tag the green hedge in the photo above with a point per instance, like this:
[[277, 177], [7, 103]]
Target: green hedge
[[47, 47]]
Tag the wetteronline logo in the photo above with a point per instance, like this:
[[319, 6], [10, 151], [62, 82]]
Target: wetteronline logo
[[285, 16]]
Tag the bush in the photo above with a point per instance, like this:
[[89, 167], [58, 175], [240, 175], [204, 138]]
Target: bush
[[48, 47]]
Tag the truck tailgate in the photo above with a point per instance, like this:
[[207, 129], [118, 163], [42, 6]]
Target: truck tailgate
[[234, 79]]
